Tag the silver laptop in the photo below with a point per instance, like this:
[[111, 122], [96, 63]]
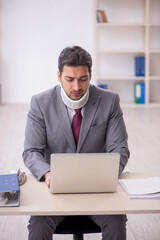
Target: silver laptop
[[84, 172]]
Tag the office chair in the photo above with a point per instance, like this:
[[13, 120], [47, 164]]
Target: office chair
[[77, 225]]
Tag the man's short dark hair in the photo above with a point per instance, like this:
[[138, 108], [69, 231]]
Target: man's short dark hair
[[74, 56]]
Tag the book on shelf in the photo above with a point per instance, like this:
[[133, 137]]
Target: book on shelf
[[140, 66], [142, 98], [139, 93], [101, 16], [142, 187]]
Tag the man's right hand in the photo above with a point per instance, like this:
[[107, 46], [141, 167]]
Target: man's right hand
[[47, 177]]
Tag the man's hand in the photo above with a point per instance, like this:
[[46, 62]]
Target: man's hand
[[47, 177]]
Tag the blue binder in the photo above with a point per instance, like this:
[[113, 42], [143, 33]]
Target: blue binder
[[104, 86], [142, 99], [137, 66], [140, 66], [9, 190]]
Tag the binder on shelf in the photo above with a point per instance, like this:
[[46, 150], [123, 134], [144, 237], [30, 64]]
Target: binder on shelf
[[137, 72], [9, 190], [142, 98], [104, 86], [140, 66], [139, 93], [101, 16]]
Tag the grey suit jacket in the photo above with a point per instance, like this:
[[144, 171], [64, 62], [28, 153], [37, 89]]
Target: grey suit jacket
[[48, 129]]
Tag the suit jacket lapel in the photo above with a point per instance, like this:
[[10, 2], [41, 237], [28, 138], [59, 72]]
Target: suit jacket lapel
[[64, 121], [89, 113]]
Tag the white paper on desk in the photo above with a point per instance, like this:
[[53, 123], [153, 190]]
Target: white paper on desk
[[147, 196], [142, 186]]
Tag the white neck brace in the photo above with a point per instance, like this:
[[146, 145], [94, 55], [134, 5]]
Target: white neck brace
[[74, 104]]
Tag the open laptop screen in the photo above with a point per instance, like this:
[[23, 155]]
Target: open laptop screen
[[84, 172]]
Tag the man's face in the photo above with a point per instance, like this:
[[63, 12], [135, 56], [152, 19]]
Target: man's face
[[75, 81]]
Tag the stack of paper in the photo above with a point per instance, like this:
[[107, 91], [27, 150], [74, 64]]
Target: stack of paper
[[142, 187]]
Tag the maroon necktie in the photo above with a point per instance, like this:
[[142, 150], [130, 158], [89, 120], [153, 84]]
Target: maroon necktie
[[76, 124]]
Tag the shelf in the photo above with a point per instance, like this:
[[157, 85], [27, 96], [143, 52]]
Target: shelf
[[135, 105], [154, 78], [154, 24], [121, 51], [154, 50], [116, 78], [132, 30], [122, 24]]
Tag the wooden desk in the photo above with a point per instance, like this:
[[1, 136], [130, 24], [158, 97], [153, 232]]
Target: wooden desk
[[37, 200]]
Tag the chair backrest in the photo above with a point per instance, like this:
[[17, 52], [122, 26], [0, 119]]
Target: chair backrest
[[77, 225]]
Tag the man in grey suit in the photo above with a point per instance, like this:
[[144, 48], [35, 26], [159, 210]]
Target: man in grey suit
[[49, 130]]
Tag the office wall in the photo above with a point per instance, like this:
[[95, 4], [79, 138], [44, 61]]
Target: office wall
[[33, 32]]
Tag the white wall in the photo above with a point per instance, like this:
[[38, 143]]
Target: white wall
[[33, 32]]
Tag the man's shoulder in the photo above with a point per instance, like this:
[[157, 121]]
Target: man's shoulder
[[105, 96], [47, 94], [106, 93]]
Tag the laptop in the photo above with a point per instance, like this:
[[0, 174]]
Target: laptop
[[84, 172]]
